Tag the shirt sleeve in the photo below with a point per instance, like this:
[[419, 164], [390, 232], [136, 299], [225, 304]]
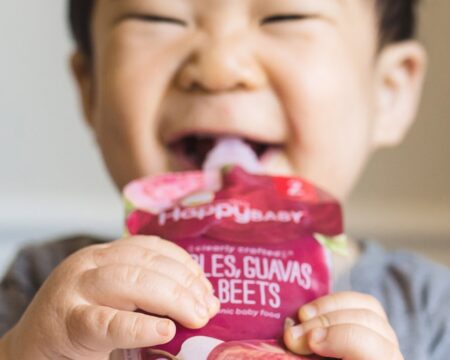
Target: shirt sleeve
[[415, 294], [437, 315], [29, 270]]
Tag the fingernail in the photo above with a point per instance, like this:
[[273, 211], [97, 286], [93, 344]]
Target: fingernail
[[297, 332], [202, 311], [288, 323], [163, 328], [308, 312], [319, 335], [211, 302], [208, 285]]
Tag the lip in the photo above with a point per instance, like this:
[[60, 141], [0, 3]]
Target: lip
[[219, 133], [255, 117]]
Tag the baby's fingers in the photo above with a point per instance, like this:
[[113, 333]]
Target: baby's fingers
[[163, 247], [103, 329], [296, 340], [340, 301], [352, 342], [129, 288], [153, 261]]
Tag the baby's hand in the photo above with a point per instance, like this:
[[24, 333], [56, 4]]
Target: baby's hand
[[350, 326], [86, 308]]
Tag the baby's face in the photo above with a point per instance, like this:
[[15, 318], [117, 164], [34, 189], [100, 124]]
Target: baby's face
[[295, 78]]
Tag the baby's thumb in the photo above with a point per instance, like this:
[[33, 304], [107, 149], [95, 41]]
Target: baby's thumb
[[104, 329], [296, 341]]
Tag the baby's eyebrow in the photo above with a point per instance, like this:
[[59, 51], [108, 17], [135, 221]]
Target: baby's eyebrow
[[338, 2]]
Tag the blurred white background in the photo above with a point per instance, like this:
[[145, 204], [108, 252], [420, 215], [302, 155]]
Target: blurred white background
[[52, 181]]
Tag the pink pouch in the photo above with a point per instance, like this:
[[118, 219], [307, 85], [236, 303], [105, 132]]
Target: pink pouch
[[262, 241]]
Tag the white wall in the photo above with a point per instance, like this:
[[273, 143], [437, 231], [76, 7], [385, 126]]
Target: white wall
[[52, 180]]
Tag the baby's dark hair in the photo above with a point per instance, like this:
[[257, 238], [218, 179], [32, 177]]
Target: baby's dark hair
[[397, 21]]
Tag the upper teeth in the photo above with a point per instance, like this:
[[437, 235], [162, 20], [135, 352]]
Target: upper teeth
[[232, 151]]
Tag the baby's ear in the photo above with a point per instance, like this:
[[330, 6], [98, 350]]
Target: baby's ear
[[400, 72], [82, 73]]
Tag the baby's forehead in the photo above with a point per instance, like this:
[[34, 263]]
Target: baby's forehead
[[211, 4]]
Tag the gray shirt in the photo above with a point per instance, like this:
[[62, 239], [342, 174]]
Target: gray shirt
[[414, 292]]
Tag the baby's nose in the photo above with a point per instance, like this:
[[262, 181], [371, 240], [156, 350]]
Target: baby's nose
[[220, 65]]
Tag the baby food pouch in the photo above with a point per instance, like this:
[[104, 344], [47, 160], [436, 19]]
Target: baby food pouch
[[263, 242]]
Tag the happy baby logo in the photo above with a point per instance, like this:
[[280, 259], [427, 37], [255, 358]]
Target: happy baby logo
[[238, 211]]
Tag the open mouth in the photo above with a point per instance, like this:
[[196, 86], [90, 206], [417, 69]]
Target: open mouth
[[192, 149]]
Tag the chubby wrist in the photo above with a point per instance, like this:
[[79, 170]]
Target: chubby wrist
[[12, 348], [5, 348]]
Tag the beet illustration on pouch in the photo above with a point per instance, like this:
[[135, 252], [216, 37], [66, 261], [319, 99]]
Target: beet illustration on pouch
[[263, 241]]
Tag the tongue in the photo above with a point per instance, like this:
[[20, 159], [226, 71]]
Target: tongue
[[232, 151]]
